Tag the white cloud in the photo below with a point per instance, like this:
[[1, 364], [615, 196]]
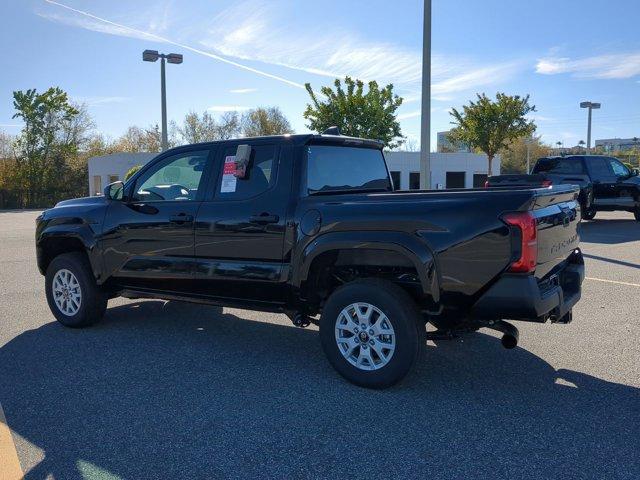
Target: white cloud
[[404, 116], [9, 125], [243, 90], [612, 66], [227, 108], [96, 101], [107, 26], [263, 33]]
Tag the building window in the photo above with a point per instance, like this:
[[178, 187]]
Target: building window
[[97, 185], [479, 179], [395, 176], [113, 178], [414, 180], [455, 180]]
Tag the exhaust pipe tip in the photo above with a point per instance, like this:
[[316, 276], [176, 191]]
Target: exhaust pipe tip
[[510, 333], [509, 341]]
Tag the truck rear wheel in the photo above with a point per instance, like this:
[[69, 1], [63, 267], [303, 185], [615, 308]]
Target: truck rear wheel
[[588, 214], [371, 332], [73, 296], [636, 214]]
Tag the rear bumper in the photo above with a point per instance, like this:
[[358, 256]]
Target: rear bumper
[[521, 297]]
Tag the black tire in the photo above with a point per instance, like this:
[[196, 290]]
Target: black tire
[[588, 214], [93, 300], [404, 317], [636, 214]]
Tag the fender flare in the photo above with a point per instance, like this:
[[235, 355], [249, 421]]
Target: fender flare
[[419, 254], [69, 229]]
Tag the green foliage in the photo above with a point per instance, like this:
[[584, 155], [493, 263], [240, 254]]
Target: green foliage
[[265, 121], [131, 172], [513, 158], [358, 114], [46, 164], [490, 126], [205, 128]]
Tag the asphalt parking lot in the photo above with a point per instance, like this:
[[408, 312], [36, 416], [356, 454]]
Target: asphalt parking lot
[[172, 390]]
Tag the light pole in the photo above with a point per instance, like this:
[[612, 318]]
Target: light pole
[[425, 117], [153, 56], [528, 141], [591, 106]]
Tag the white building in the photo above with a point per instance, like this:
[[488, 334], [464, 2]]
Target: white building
[[448, 170], [443, 144], [618, 144], [107, 169]]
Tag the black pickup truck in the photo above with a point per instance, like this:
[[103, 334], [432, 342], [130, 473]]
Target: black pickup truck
[[310, 226], [606, 184]]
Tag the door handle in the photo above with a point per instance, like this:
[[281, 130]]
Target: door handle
[[181, 218], [264, 218]]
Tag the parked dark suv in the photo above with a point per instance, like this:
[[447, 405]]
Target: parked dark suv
[[606, 184]]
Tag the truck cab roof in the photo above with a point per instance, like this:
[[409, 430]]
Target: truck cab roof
[[296, 140]]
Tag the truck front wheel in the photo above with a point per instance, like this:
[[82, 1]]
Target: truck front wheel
[[371, 332], [73, 296]]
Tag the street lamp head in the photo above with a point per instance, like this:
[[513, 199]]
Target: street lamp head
[[150, 55], [589, 105], [174, 58]]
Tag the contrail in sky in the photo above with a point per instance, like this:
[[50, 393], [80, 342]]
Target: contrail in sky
[[186, 47]]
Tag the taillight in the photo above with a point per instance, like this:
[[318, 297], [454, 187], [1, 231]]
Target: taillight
[[547, 183], [526, 222], [486, 184]]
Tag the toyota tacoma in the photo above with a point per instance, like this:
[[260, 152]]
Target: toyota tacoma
[[311, 226]]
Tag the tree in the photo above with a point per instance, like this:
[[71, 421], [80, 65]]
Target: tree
[[136, 139], [355, 113], [46, 150], [581, 144], [205, 128], [229, 126], [265, 121], [131, 172], [491, 125], [513, 158], [6, 146]]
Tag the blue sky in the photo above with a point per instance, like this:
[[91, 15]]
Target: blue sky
[[243, 54]]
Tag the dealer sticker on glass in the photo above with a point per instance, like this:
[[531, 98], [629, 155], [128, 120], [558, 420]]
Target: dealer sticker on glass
[[229, 179]]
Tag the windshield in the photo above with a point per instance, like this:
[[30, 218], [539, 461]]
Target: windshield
[[336, 168]]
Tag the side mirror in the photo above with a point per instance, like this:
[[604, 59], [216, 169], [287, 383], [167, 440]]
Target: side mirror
[[635, 172], [243, 156], [114, 191]]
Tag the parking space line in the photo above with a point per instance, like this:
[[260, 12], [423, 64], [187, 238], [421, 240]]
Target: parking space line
[[10, 468], [612, 281]]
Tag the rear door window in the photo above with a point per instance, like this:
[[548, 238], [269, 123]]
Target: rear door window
[[260, 175], [599, 167]]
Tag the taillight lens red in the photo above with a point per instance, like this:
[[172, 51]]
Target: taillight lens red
[[526, 222], [547, 183], [486, 184]]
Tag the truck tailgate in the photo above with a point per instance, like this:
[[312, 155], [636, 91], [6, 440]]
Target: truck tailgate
[[516, 180], [556, 212]]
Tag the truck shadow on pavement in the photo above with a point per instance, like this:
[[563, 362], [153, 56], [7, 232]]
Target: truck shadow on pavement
[[172, 390], [610, 231]]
